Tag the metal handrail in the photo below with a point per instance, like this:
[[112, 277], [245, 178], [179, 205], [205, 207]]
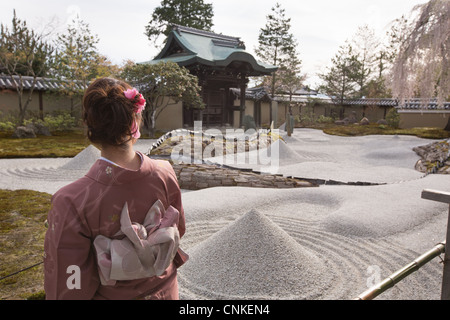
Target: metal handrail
[[400, 274]]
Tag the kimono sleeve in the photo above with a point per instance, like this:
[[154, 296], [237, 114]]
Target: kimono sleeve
[[70, 270], [174, 197]]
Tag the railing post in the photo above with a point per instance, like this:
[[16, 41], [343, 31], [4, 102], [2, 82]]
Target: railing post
[[445, 294], [444, 197]]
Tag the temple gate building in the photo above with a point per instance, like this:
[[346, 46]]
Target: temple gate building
[[220, 63]]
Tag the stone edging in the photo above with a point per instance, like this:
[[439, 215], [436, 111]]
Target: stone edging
[[201, 176], [435, 157]]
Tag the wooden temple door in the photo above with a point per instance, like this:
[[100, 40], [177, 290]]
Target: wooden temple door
[[257, 113], [214, 113]]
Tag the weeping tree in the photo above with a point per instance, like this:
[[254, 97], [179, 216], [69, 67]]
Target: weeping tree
[[422, 64]]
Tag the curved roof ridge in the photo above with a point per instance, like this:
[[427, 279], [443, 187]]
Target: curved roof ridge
[[188, 46], [211, 34]]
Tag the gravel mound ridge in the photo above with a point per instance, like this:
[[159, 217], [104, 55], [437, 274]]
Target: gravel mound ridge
[[83, 160], [253, 258]]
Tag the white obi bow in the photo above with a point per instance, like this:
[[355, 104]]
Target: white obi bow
[[146, 251]]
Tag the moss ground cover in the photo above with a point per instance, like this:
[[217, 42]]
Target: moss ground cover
[[60, 144], [375, 129], [22, 230]]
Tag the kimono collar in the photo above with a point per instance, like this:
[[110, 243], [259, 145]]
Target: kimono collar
[[109, 173]]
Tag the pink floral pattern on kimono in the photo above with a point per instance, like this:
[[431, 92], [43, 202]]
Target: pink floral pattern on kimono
[[91, 208]]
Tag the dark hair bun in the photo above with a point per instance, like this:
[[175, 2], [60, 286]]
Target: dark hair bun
[[108, 114]]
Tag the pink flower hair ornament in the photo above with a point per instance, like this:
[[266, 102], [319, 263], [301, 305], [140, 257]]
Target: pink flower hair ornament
[[134, 95]]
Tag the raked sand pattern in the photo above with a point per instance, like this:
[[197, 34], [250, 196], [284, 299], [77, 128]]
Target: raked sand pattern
[[329, 242]]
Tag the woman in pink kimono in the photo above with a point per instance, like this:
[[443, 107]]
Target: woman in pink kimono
[[114, 233]]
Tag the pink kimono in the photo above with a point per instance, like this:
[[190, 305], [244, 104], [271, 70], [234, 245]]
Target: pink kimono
[[114, 233]]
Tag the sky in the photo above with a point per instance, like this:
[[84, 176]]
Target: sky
[[319, 26]]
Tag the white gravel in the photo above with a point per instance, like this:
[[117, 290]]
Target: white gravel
[[307, 243], [352, 230], [253, 258]]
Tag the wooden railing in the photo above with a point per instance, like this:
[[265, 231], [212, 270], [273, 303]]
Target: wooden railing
[[444, 197]]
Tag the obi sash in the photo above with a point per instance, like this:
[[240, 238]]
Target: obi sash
[[146, 250]]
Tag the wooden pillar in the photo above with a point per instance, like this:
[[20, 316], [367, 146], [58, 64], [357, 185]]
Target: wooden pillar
[[41, 106], [444, 197], [224, 105], [208, 104], [257, 112], [204, 98], [243, 87]]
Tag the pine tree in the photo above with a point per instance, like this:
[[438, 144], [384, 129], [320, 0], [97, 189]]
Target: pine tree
[[77, 55], [277, 45], [188, 13], [340, 82], [77, 61], [290, 78], [23, 52]]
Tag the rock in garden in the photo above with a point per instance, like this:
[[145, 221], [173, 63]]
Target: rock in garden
[[433, 155], [23, 132], [352, 118], [364, 121], [39, 129]]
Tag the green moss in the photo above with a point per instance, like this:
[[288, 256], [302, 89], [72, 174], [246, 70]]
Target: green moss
[[375, 129], [40, 295], [22, 232], [60, 144]]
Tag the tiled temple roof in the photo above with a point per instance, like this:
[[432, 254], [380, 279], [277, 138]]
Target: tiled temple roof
[[42, 84], [303, 96], [381, 102], [424, 104], [189, 46]]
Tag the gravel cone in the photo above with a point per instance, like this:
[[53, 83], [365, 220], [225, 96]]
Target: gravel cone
[[252, 258]]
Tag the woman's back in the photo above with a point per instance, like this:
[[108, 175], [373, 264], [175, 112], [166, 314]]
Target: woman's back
[[91, 207]]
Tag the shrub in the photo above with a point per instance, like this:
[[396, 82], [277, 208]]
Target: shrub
[[323, 119], [393, 118], [248, 122], [305, 119], [57, 121], [7, 126], [7, 122], [60, 122]]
